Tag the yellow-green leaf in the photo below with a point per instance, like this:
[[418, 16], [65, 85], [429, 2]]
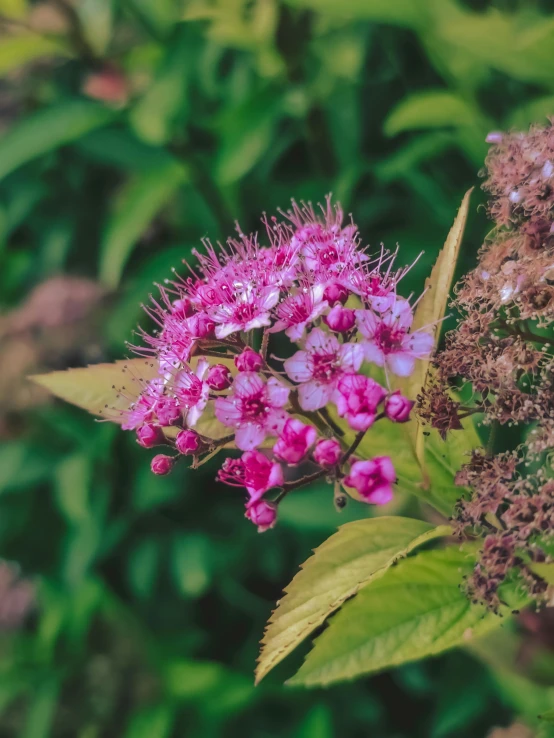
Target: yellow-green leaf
[[102, 389], [415, 610], [355, 555], [15, 51], [544, 571]]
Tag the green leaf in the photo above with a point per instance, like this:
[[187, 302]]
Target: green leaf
[[429, 109], [151, 722], [96, 18], [98, 388], [431, 309], [13, 8], [415, 610], [165, 102], [400, 12], [247, 133], [358, 553], [548, 715], [141, 199], [318, 723], [15, 51], [534, 111], [47, 130]]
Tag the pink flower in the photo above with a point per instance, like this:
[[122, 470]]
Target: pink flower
[[254, 409], [192, 392], [387, 338], [373, 479], [320, 366], [254, 471], [327, 453], [340, 319], [162, 464], [357, 398], [187, 442], [398, 407], [219, 377], [243, 306], [263, 514], [249, 361], [149, 435], [295, 441], [298, 310]]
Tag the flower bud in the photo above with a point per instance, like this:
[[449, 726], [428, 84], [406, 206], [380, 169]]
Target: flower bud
[[108, 85], [149, 435], [263, 514], [398, 407], [187, 442], [335, 293], [219, 377], [340, 319], [201, 325], [249, 361], [327, 453], [494, 137], [373, 479], [162, 464]]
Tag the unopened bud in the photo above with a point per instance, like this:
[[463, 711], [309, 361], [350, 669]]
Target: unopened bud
[[187, 442], [219, 377], [249, 361], [162, 464], [340, 319], [150, 435], [398, 407], [335, 293]]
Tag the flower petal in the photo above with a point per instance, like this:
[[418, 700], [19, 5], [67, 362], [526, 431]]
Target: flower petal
[[298, 368], [314, 395], [249, 436]]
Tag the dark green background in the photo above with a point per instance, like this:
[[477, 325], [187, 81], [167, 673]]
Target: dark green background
[[154, 592]]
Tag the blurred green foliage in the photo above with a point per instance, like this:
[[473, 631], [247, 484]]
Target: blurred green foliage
[[130, 130]]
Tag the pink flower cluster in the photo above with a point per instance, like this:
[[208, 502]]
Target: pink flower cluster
[[316, 296]]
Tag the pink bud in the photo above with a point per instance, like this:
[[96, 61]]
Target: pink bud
[[248, 361], [263, 514], [373, 479], [219, 377], [340, 319], [335, 293], [182, 308], [201, 325], [398, 407], [162, 464], [327, 453], [494, 137], [187, 442], [294, 441], [149, 435]]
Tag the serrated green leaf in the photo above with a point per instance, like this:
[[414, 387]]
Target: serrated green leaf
[[347, 561], [47, 130], [415, 610], [141, 199]]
